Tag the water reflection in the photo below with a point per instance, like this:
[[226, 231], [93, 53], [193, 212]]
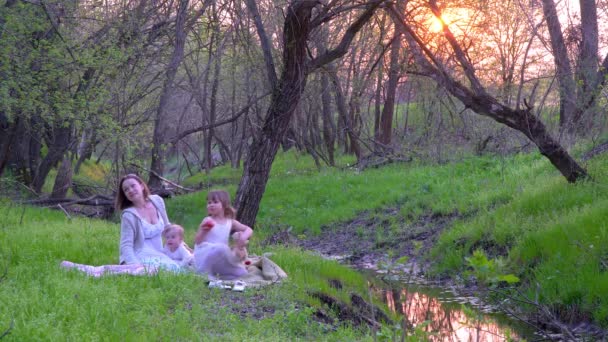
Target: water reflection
[[447, 321]]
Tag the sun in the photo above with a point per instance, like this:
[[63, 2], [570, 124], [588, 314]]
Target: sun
[[436, 24]]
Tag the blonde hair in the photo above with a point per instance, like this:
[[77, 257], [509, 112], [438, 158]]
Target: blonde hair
[[224, 198], [173, 228]]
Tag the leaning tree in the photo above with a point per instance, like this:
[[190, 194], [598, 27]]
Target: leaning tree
[[462, 82]]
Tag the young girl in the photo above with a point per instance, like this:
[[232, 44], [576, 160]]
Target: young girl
[[174, 247], [212, 254]]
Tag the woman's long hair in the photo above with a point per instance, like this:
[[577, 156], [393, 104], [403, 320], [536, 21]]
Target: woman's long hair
[[122, 202]]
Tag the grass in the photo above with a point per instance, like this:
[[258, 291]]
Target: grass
[[550, 232], [553, 234], [516, 208], [46, 302]]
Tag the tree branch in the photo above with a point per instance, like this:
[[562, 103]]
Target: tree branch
[[187, 132], [469, 71], [164, 179], [348, 37]]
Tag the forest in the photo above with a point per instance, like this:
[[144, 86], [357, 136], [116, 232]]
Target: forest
[[463, 140]]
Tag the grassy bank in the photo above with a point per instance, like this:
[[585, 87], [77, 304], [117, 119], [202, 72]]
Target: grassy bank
[[517, 209]]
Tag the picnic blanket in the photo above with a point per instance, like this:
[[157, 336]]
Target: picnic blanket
[[261, 272]]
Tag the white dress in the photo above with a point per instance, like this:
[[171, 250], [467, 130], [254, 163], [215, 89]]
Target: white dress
[[181, 255], [152, 253], [215, 258]]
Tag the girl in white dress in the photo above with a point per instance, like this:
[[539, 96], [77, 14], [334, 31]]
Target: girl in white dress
[[212, 253]]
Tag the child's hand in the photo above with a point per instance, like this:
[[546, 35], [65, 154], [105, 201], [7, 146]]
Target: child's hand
[[200, 234], [207, 223], [239, 241]]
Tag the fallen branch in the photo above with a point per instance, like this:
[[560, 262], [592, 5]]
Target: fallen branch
[[64, 211], [378, 160], [95, 200], [164, 179]]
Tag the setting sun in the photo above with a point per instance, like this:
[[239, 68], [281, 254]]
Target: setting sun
[[436, 24]]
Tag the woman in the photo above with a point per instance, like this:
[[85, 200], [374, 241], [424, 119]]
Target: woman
[[143, 219]]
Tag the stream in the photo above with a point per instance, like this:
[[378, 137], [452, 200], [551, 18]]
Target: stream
[[446, 316]]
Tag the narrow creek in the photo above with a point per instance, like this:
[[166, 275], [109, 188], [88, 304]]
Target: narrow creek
[[446, 316]]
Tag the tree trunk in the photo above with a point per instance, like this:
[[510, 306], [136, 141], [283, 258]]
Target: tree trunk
[[378, 99], [60, 144], [480, 102], [567, 87], [213, 98], [285, 98], [85, 148], [284, 101], [386, 119], [353, 139], [63, 181], [7, 136], [19, 152], [264, 42], [587, 67], [521, 120], [156, 165], [329, 128]]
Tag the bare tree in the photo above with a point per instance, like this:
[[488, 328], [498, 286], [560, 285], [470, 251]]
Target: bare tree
[[479, 100], [286, 95], [158, 139]]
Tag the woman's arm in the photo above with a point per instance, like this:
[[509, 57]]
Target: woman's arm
[[127, 240]]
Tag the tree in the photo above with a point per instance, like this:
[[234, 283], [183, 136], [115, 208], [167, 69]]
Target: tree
[[286, 95], [156, 167], [386, 118], [579, 85], [476, 97]]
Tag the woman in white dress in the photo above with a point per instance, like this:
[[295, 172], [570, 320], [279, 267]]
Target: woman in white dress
[[143, 219]]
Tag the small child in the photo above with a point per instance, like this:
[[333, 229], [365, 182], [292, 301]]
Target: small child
[[212, 254], [174, 247]]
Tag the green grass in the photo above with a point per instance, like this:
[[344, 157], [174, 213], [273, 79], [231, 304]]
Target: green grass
[[309, 203], [45, 302], [518, 208], [554, 236]]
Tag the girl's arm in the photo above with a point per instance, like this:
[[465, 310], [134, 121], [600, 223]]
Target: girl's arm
[[203, 229], [245, 232], [200, 236]]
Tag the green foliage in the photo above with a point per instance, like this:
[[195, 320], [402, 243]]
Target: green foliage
[[489, 271]]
